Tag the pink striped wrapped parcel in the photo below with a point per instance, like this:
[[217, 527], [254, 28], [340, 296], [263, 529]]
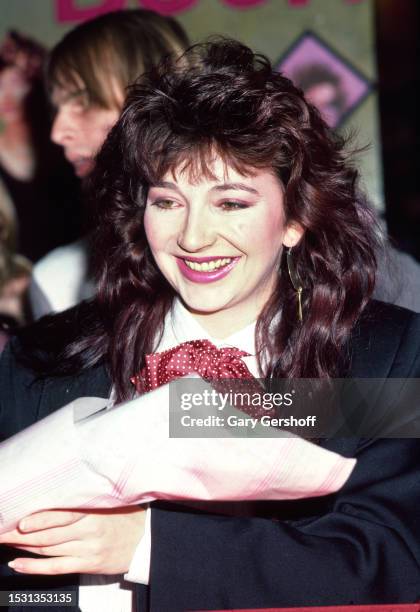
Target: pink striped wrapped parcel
[[87, 456]]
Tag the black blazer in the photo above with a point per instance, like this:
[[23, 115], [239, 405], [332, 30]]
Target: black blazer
[[359, 546]]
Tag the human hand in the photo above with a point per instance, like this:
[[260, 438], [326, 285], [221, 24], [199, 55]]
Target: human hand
[[97, 542]]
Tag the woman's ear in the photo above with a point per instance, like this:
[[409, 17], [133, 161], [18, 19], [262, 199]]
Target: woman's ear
[[294, 232]]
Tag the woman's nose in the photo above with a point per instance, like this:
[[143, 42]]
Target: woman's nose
[[197, 232]]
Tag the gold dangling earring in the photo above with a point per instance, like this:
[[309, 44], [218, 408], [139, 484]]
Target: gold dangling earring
[[295, 280]]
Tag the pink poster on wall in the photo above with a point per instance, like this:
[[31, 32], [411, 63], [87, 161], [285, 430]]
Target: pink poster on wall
[[328, 80]]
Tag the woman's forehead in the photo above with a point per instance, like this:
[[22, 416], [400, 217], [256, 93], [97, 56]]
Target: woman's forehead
[[220, 175], [207, 163]]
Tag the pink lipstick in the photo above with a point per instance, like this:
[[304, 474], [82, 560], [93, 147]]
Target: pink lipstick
[[205, 276]]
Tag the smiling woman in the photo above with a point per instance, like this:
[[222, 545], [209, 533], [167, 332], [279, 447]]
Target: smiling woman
[[224, 158], [218, 241], [215, 167]]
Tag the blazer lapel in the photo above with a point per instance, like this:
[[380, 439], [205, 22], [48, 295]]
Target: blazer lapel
[[59, 392]]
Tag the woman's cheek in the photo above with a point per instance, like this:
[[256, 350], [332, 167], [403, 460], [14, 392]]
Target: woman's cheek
[[241, 230], [149, 228]]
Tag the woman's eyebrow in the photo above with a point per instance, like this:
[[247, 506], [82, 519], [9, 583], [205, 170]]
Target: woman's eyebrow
[[166, 185], [235, 186], [221, 187]]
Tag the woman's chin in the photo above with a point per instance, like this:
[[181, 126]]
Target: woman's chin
[[204, 307]]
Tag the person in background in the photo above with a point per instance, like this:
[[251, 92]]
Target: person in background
[[33, 172], [88, 73], [15, 271]]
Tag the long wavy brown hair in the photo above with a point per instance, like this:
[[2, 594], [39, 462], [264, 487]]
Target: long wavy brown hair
[[220, 97]]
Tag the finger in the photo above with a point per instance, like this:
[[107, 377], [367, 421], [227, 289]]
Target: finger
[[69, 549], [9, 536], [51, 566], [48, 519], [46, 537]]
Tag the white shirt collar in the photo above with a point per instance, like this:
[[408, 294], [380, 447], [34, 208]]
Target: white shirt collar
[[181, 326]]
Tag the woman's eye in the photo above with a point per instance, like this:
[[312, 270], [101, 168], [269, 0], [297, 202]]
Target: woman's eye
[[164, 204], [230, 205]]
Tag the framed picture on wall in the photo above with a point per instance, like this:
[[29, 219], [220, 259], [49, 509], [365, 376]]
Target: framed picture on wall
[[329, 81]]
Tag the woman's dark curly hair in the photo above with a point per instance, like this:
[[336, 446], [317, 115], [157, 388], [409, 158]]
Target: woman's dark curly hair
[[220, 98]]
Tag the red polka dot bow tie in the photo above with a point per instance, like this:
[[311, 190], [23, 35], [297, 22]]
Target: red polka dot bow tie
[[223, 368], [196, 356]]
